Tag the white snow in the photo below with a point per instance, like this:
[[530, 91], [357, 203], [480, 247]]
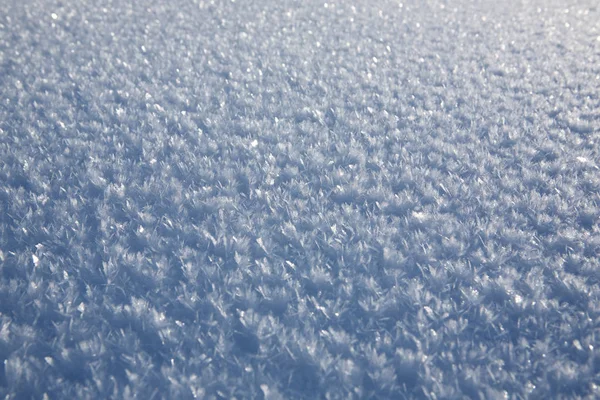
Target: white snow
[[283, 199]]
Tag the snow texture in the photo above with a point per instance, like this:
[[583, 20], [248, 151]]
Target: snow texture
[[284, 199]]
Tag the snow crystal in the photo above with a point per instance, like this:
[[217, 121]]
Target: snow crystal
[[281, 199]]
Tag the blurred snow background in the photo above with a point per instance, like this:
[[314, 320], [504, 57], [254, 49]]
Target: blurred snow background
[[284, 199]]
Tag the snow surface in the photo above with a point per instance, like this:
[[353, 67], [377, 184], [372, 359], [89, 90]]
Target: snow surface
[[284, 199]]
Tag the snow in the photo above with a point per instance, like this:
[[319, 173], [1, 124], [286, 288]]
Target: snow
[[284, 199]]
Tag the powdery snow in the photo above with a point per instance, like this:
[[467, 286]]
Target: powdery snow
[[284, 199]]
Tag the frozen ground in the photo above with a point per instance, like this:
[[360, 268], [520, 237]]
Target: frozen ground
[[280, 199]]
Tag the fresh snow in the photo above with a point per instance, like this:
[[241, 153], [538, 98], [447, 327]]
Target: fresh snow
[[299, 199]]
